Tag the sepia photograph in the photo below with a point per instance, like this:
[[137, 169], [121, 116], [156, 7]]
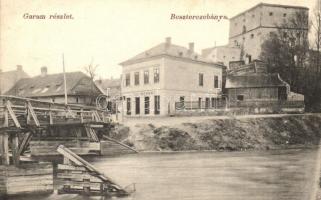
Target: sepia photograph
[[164, 100]]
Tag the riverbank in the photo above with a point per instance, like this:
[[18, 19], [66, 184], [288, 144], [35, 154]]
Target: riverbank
[[222, 134]]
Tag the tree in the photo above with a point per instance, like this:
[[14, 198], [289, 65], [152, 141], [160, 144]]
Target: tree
[[316, 31], [286, 49], [287, 52], [91, 71]]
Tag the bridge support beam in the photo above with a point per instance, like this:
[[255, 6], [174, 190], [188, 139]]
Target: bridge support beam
[[15, 149], [4, 148]]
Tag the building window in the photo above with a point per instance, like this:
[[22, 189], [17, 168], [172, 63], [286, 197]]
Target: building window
[[271, 13], [146, 77], [200, 79], [137, 105], [136, 78], [244, 29], [215, 81], [252, 36], [77, 99], [240, 97], [128, 106], [156, 75], [199, 102], [127, 79], [146, 102], [236, 43], [157, 104], [284, 14]]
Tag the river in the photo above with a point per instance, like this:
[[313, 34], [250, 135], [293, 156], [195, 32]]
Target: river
[[252, 175]]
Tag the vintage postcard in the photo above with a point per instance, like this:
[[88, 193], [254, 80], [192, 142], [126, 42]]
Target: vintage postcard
[[168, 100]]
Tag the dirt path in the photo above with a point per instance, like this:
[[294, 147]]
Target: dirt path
[[168, 121]]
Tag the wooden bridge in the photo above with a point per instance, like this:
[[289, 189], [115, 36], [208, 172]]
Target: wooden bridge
[[22, 118]]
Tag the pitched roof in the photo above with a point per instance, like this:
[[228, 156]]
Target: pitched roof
[[49, 85], [9, 78], [169, 50], [112, 84], [257, 80], [207, 51]]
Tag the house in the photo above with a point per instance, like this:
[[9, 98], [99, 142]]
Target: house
[[110, 87], [10, 78], [222, 54], [256, 87], [154, 80], [251, 87], [50, 87]]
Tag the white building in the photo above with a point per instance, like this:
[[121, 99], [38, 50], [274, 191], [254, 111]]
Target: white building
[[155, 79]]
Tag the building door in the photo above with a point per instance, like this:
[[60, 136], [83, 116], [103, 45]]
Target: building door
[[128, 106], [146, 103], [207, 102], [137, 105], [156, 105]]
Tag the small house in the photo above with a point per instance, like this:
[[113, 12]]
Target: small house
[[50, 87]]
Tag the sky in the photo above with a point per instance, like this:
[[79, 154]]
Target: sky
[[105, 32]]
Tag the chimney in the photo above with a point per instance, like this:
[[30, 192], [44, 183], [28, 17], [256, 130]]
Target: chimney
[[191, 47], [168, 41], [44, 71], [19, 67]]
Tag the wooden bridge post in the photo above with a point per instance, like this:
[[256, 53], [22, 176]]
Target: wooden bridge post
[[15, 149], [4, 148]]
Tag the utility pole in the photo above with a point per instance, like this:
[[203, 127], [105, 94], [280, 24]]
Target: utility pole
[[65, 82]]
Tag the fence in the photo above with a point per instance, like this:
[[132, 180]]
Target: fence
[[213, 103], [216, 103]]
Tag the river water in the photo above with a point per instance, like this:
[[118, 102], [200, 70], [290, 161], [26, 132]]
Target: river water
[[255, 175]]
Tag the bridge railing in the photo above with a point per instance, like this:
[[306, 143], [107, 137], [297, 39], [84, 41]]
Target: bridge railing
[[19, 111]]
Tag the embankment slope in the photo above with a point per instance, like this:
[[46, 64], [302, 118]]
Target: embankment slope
[[234, 134]]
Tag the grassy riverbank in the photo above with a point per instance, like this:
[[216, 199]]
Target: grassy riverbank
[[232, 134]]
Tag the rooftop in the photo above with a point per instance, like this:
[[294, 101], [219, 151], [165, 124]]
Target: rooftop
[[270, 5], [48, 85], [169, 49], [256, 81]]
